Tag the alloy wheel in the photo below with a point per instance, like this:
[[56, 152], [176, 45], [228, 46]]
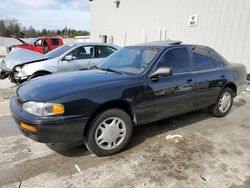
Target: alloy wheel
[[110, 133], [225, 102]]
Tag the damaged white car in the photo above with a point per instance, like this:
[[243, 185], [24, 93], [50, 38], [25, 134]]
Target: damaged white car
[[21, 64]]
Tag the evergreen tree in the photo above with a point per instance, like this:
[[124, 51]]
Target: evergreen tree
[[13, 27]]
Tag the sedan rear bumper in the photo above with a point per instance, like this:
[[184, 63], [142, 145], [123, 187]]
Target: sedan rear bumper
[[49, 129], [242, 87]]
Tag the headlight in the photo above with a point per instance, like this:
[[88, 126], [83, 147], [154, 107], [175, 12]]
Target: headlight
[[18, 69], [43, 109]]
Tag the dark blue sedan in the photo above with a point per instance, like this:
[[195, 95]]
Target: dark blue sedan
[[134, 86]]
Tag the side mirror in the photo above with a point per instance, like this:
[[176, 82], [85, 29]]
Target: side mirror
[[69, 57], [162, 71]]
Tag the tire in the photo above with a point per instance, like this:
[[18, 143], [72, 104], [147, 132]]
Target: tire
[[118, 127], [36, 75], [221, 109]]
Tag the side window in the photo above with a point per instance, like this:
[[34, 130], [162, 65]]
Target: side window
[[204, 59], [105, 51], [83, 52], [177, 59], [54, 42], [39, 42]]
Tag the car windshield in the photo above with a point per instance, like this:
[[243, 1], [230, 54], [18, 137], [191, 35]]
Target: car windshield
[[59, 51], [130, 60]]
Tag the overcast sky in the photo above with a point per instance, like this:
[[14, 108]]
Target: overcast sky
[[49, 14]]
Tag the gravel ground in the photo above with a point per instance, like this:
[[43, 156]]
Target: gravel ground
[[6, 94], [7, 89]]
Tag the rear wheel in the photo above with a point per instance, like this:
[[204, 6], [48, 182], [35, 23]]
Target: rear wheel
[[224, 103], [109, 132]]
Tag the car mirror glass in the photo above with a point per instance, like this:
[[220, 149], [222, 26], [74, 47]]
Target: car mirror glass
[[69, 57]]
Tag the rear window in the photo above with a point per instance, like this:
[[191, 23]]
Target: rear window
[[54, 42]]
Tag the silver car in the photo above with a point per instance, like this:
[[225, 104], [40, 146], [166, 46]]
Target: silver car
[[21, 65]]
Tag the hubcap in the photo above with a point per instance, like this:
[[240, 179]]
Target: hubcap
[[225, 102], [110, 133]]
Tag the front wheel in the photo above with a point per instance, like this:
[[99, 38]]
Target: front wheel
[[224, 103], [109, 132]]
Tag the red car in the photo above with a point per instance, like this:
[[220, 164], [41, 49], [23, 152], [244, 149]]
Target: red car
[[40, 44]]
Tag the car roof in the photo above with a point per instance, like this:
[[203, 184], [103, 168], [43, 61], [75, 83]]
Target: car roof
[[96, 44], [161, 44], [49, 37]]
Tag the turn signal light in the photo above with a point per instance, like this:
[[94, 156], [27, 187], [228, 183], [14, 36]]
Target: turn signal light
[[28, 127], [57, 109]]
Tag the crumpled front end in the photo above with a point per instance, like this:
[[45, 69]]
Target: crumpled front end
[[11, 74], [4, 72], [17, 75]]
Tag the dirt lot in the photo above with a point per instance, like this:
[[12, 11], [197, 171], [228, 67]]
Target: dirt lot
[[214, 152]]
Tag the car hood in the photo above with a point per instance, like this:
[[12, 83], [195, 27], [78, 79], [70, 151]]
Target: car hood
[[21, 56], [60, 85]]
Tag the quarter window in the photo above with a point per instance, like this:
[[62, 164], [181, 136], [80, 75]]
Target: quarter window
[[177, 59], [204, 59]]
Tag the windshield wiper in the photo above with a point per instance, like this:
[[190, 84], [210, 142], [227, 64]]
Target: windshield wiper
[[109, 70], [93, 67]]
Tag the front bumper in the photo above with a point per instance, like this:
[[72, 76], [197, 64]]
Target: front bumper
[[50, 129], [3, 74]]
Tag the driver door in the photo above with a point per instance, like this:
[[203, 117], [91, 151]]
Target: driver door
[[39, 46], [173, 94], [81, 59]]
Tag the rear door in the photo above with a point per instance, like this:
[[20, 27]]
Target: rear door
[[209, 76], [54, 43], [171, 95], [83, 57]]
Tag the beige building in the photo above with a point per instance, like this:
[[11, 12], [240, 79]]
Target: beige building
[[221, 24]]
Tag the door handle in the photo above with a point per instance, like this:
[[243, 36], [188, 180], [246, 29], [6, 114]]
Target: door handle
[[189, 81]]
